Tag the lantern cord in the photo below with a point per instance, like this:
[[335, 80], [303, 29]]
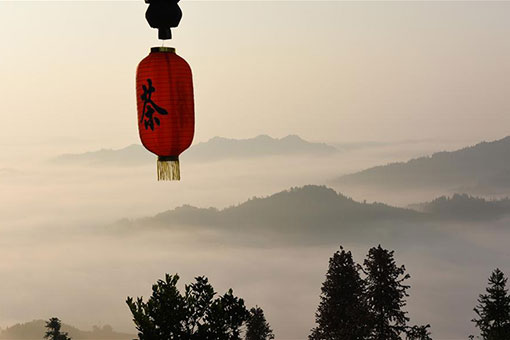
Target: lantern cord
[[169, 170]]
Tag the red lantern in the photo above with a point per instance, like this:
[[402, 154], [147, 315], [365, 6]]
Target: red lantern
[[166, 118]]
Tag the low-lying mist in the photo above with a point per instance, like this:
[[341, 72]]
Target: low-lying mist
[[84, 276], [63, 253]]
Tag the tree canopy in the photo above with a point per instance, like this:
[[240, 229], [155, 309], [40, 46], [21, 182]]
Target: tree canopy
[[53, 332], [368, 307], [196, 314], [493, 309], [257, 328], [386, 294], [343, 311]]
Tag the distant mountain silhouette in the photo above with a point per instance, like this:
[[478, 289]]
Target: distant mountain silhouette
[[129, 156], [484, 166], [260, 146], [465, 207], [36, 329], [312, 212], [216, 148]]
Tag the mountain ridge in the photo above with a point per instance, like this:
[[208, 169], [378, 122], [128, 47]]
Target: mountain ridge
[[299, 210], [466, 168], [322, 209], [464, 207], [216, 148]]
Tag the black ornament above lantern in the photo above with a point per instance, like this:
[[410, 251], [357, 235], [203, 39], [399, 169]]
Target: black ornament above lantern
[[163, 15]]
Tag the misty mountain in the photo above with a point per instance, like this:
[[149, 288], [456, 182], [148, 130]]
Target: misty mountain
[[36, 329], [307, 213], [485, 165], [318, 214], [260, 146], [216, 148], [131, 155], [465, 207]]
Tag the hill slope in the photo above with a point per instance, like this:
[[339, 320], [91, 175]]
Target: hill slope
[[465, 207], [316, 215], [485, 164], [298, 210]]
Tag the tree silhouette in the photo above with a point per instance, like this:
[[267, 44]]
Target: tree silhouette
[[197, 314], [343, 312], [225, 318], [418, 333], [386, 294], [493, 309], [53, 330], [257, 328]]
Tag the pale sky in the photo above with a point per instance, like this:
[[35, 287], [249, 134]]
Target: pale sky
[[329, 71]]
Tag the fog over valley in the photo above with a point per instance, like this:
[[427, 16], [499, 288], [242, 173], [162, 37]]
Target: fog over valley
[[263, 231]]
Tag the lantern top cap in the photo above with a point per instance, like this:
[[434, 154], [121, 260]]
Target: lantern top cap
[[163, 49]]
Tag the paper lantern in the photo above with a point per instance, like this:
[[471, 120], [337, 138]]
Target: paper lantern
[[166, 117]]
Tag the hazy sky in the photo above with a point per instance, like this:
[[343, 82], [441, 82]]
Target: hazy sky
[[334, 71], [327, 71]]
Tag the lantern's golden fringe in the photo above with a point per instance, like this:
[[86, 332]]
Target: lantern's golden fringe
[[169, 171]]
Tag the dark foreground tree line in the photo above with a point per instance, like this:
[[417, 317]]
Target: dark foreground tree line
[[368, 307], [358, 302], [196, 314], [493, 309]]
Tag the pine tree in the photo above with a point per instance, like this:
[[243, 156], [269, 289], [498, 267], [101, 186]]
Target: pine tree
[[493, 309], [53, 332], [257, 326], [342, 312], [386, 294]]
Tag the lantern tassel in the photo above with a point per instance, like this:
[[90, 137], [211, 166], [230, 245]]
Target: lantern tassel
[[168, 169]]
